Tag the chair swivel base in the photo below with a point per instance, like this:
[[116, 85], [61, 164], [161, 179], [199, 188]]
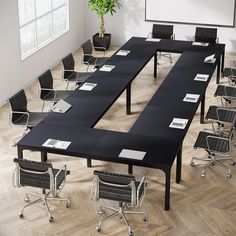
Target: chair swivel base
[[213, 161], [121, 211], [43, 199]]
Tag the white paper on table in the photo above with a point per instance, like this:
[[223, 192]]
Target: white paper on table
[[122, 52], [201, 77], [178, 123], [54, 143], [61, 106], [210, 59], [189, 97], [107, 68], [132, 154], [152, 40], [88, 86], [200, 44]]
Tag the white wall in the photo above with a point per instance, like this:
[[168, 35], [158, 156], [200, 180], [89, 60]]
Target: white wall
[[16, 74], [129, 21]]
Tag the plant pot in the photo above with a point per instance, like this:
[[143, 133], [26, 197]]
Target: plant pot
[[101, 42]]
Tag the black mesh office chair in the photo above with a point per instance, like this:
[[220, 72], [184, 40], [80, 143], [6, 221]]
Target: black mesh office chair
[[69, 73], [40, 175], [222, 116], [121, 188], [217, 146], [206, 35], [89, 59], [230, 73], [20, 115], [47, 93], [163, 32], [227, 94]]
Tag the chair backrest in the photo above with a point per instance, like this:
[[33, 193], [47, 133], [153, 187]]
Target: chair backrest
[[115, 187], [162, 31], [68, 62], [87, 50], [46, 82], [207, 35], [18, 102], [34, 174]]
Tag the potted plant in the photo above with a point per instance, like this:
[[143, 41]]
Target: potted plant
[[102, 7]]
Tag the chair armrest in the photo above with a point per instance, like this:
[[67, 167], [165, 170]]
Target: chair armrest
[[172, 37], [56, 176], [217, 138], [149, 35], [94, 190], [53, 90], [142, 183], [102, 49], [16, 178], [20, 112]]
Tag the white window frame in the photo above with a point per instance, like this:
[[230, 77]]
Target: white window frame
[[53, 37]]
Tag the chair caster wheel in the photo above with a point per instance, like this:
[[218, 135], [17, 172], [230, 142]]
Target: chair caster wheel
[[131, 233], [145, 218], [233, 163], [68, 205], [98, 228], [203, 175], [26, 199], [51, 219], [21, 215], [229, 176], [192, 163]]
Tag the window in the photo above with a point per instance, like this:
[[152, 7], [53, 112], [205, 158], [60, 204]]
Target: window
[[40, 22]]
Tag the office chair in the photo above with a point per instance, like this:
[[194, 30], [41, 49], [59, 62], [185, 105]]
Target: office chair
[[40, 175], [69, 73], [217, 146], [20, 115], [89, 59], [121, 188], [206, 35], [47, 93], [227, 94], [230, 73], [163, 32]]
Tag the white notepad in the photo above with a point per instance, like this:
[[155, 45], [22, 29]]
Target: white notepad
[[107, 68], [189, 97], [200, 44], [201, 77], [210, 59], [54, 143], [122, 52], [178, 123], [61, 106], [88, 86], [152, 40], [132, 154]]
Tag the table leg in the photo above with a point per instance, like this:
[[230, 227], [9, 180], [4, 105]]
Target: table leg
[[89, 162], [218, 72], [223, 61], [44, 157], [167, 190], [155, 65], [19, 152], [128, 99], [202, 109], [130, 169], [179, 165]]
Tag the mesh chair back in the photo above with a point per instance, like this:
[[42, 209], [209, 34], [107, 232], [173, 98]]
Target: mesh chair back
[[162, 31], [34, 174], [68, 62], [87, 50], [208, 35], [18, 102], [46, 82]]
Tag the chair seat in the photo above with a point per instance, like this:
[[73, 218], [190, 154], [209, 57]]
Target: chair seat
[[41, 181], [97, 61], [60, 94], [226, 116], [76, 76], [220, 91], [229, 72], [219, 145]]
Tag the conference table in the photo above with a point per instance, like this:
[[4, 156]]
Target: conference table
[[151, 133]]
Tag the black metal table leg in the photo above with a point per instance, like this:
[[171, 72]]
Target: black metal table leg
[[202, 109], [19, 152], [179, 166], [44, 156], [167, 191], [155, 65], [128, 99], [218, 72], [89, 162], [130, 169], [223, 61]]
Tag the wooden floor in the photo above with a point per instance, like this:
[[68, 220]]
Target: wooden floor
[[198, 207]]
